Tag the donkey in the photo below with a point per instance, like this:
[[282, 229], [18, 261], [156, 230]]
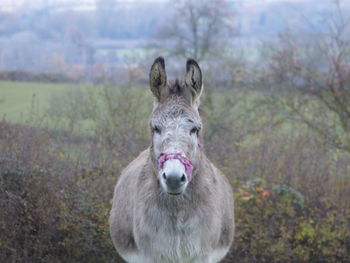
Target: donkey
[[171, 204]]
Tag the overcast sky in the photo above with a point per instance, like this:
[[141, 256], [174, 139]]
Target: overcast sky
[[9, 5], [14, 3]]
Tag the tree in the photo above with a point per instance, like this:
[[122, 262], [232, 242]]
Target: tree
[[316, 69], [198, 28]]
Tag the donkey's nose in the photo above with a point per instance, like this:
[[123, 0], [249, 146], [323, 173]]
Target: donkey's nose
[[174, 182]]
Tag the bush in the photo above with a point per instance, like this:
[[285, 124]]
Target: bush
[[274, 225], [49, 214]]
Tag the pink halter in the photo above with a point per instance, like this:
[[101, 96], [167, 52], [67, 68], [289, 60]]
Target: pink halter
[[168, 156]]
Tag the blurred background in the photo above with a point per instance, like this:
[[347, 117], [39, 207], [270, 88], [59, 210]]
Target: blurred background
[[75, 103]]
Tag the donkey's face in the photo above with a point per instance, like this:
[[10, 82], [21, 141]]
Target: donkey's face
[[176, 126]]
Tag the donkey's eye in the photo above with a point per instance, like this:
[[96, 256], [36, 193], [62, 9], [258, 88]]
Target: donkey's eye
[[194, 130], [157, 130]]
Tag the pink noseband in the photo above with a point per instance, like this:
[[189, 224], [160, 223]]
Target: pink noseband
[[168, 156]]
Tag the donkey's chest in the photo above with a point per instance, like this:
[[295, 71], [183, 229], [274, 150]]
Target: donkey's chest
[[178, 238]]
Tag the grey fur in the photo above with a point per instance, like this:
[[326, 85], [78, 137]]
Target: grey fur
[[149, 225]]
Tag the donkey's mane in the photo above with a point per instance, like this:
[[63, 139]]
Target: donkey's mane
[[176, 88]]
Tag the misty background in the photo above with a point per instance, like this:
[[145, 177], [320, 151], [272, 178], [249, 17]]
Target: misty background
[[85, 38]]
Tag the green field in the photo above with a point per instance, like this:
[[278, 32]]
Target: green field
[[17, 98]]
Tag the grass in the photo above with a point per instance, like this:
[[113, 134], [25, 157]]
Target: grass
[[16, 98]]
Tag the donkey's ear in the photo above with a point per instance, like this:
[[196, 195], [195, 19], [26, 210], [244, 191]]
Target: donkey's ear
[[193, 78], [157, 78]]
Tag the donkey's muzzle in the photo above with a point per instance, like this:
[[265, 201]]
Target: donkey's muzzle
[[174, 182]]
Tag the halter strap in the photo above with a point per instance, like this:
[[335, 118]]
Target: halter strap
[[168, 156]]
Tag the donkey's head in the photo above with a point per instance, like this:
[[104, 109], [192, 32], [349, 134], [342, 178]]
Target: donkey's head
[[176, 126]]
